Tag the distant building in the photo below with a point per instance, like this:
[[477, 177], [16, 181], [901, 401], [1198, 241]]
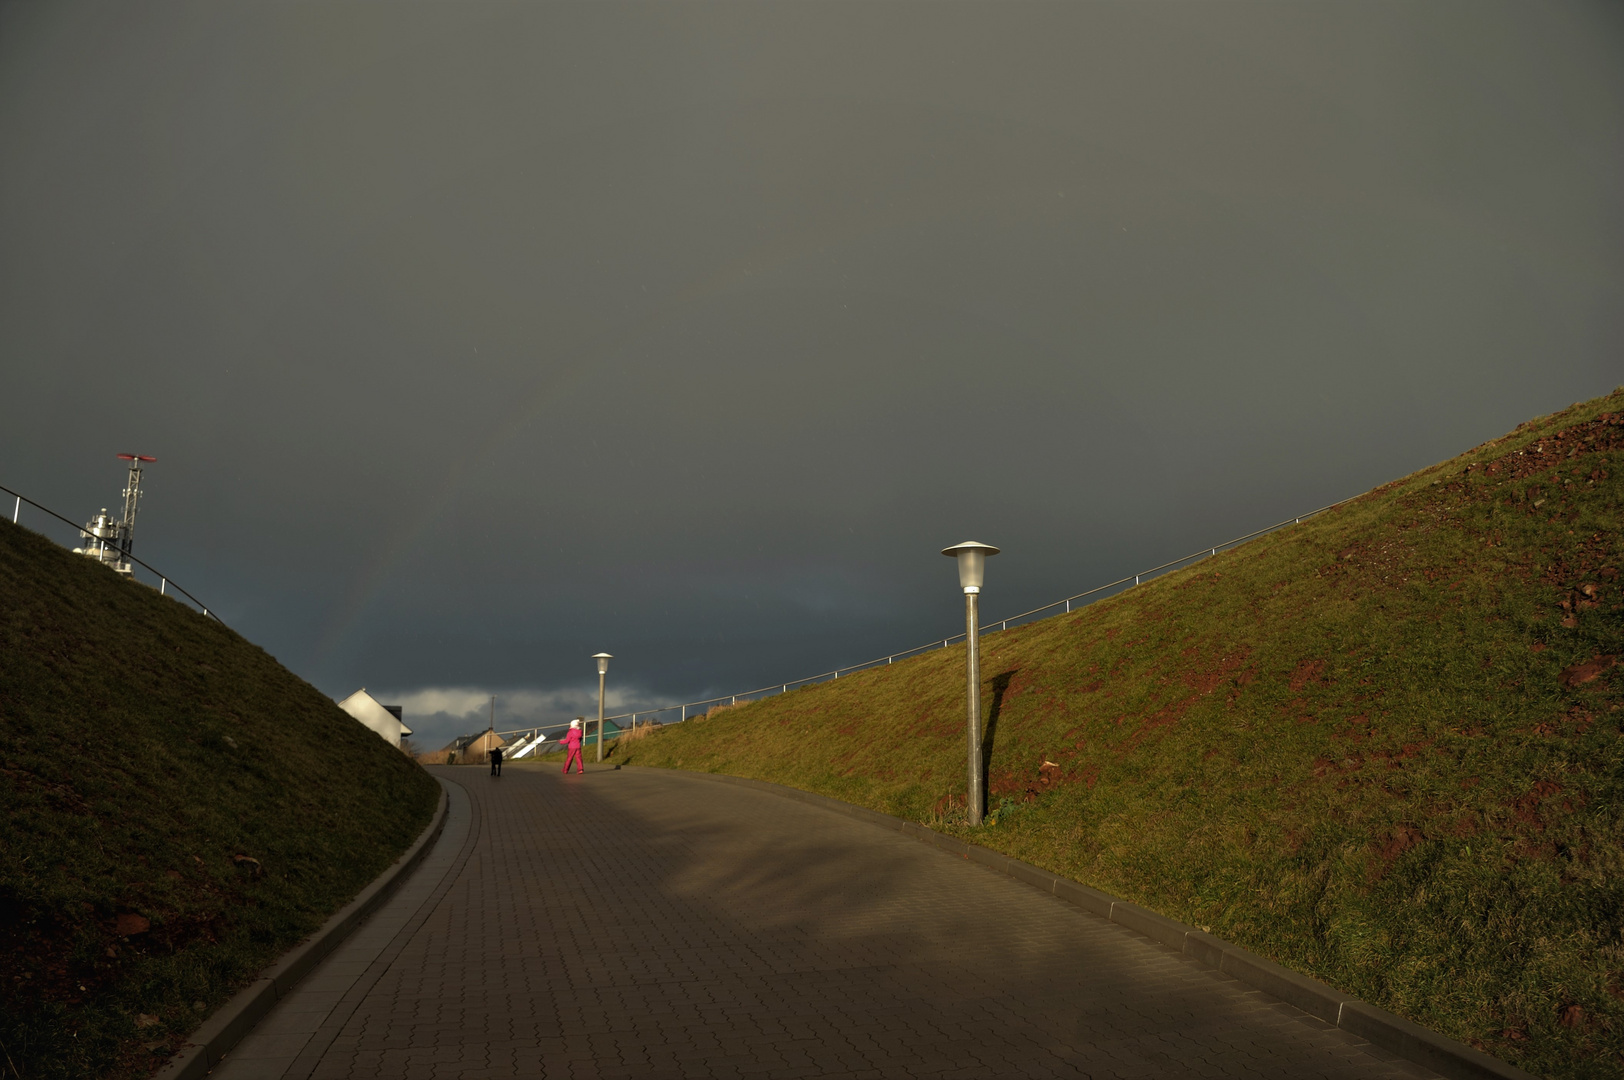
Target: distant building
[[466, 750], [383, 719]]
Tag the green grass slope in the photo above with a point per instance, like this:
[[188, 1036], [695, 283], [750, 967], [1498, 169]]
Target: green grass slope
[[143, 748], [1381, 747]]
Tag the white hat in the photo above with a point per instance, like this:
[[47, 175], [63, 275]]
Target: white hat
[[575, 723]]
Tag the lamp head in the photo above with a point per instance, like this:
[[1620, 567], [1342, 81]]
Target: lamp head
[[603, 659], [972, 563]]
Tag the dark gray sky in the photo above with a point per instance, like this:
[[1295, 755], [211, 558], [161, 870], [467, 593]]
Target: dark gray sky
[[474, 338]]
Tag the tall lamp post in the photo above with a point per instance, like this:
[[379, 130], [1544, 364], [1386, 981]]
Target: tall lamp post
[[603, 659], [972, 559]]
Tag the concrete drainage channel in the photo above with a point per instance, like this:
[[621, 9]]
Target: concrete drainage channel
[[1443, 1055], [237, 1017]]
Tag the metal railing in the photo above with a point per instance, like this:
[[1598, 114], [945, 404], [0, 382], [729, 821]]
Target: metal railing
[[165, 583], [783, 687]]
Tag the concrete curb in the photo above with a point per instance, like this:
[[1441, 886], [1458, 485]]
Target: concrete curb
[[219, 1033], [1441, 1054]]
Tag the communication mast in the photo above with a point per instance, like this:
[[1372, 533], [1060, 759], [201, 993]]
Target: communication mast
[[114, 538]]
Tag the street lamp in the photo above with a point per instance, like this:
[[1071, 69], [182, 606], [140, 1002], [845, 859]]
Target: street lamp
[[972, 559], [603, 659]]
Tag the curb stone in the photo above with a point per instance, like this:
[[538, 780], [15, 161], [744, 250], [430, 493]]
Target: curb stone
[[1443, 1055], [206, 1046]]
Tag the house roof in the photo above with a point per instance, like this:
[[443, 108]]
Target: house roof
[[463, 742], [380, 718]]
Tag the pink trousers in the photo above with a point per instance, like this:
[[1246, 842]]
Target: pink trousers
[[575, 756]]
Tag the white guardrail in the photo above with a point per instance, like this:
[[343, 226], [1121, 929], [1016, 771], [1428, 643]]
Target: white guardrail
[[783, 687]]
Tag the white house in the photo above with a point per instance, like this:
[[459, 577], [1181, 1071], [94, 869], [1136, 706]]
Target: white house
[[384, 719]]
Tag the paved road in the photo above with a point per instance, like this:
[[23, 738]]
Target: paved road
[[649, 924]]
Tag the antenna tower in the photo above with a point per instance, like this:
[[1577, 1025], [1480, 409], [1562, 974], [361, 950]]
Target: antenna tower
[[132, 499], [114, 538]]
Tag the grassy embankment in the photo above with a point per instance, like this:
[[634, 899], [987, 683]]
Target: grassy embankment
[[147, 753], [1381, 747]]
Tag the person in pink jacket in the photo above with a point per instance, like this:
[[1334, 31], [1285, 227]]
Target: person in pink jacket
[[572, 740]]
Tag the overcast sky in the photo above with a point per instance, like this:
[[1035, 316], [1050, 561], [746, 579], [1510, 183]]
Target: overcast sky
[[475, 338]]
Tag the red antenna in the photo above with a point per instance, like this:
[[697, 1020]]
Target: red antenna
[[135, 457]]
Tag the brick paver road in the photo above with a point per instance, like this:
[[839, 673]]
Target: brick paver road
[[649, 924]]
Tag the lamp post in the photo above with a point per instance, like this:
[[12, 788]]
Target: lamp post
[[603, 659], [972, 559]]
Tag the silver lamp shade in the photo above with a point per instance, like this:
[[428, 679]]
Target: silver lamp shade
[[972, 558]]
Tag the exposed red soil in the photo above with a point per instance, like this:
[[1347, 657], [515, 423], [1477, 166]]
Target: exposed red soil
[[1309, 671], [1205, 682], [129, 924], [1404, 836], [1603, 434], [1527, 809], [1395, 758], [1590, 670], [1166, 716]]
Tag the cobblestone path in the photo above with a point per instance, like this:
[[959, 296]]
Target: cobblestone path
[[650, 924]]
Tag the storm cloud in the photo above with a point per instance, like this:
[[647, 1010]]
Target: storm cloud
[[476, 338]]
